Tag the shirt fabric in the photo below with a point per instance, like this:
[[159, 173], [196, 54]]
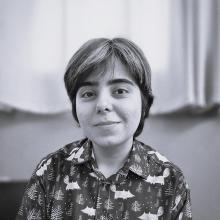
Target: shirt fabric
[[67, 185]]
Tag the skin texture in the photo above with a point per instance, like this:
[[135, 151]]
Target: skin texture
[[108, 107]]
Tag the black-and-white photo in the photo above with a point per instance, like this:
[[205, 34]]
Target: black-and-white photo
[[109, 109]]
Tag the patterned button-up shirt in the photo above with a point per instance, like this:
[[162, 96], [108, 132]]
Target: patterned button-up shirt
[[68, 185]]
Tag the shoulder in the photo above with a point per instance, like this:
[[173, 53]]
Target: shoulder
[[57, 159], [158, 164]]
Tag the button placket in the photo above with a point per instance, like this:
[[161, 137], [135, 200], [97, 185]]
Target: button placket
[[103, 200]]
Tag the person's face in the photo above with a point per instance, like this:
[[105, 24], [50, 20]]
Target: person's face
[[108, 106]]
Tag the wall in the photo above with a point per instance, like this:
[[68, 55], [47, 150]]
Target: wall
[[192, 142]]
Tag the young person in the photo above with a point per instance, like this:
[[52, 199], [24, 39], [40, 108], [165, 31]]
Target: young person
[[109, 174]]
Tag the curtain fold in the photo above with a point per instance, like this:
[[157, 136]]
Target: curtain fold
[[32, 57], [181, 39], [197, 51]]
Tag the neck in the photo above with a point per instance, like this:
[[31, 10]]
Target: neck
[[111, 158]]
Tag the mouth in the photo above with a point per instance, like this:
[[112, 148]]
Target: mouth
[[106, 123]]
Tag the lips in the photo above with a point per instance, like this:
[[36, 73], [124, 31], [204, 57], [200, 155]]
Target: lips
[[106, 123]]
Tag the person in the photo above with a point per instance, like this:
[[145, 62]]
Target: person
[[108, 174]]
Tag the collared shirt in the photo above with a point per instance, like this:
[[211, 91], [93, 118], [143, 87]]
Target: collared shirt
[[68, 185]]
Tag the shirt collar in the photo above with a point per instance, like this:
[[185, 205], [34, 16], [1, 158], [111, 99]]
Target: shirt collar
[[82, 153], [137, 162]]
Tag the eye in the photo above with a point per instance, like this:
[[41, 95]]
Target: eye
[[88, 94], [120, 91]]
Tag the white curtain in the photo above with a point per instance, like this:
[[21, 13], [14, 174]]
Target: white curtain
[[179, 37], [195, 55], [32, 55]]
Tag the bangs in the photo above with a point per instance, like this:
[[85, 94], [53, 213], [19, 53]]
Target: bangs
[[98, 68], [96, 55]]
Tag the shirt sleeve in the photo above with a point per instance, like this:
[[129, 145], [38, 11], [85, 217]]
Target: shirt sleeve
[[33, 205], [181, 208]]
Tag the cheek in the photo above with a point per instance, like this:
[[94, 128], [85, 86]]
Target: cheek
[[131, 112], [83, 113]]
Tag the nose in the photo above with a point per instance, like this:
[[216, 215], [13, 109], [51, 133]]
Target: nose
[[104, 103]]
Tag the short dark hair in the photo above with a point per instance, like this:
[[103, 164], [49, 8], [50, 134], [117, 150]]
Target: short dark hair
[[99, 51]]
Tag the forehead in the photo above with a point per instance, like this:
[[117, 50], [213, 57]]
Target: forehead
[[111, 70]]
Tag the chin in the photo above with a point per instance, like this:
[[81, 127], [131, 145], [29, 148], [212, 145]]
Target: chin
[[109, 141]]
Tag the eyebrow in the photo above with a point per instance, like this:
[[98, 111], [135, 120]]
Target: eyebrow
[[110, 82]]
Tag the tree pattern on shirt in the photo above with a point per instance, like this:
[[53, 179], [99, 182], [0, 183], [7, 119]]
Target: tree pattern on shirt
[[109, 204], [33, 215], [66, 185], [136, 206], [32, 191], [56, 213], [59, 195]]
